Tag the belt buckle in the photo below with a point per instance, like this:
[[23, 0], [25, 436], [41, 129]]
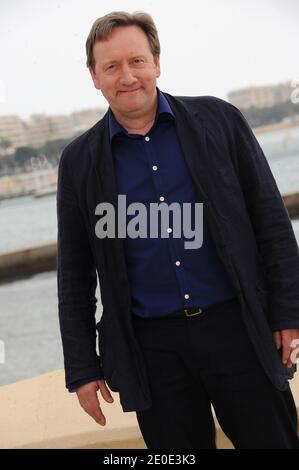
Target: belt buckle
[[192, 314]]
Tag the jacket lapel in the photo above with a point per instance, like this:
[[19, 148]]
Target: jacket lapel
[[102, 159], [192, 136], [191, 131]]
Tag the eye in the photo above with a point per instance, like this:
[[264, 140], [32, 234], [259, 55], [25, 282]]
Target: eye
[[111, 68], [138, 61]]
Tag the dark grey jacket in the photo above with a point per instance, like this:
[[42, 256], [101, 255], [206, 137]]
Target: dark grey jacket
[[248, 222]]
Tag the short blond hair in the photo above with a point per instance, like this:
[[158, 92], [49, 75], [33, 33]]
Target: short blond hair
[[103, 26]]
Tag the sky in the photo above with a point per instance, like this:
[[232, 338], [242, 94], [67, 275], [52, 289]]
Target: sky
[[208, 47]]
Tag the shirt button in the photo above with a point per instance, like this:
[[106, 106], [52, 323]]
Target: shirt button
[[169, 230], [186, 296], [178, 263], [147, 139], [155, 168], [162, 198]]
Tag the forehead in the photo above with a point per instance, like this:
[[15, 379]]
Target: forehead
[[122, 41]]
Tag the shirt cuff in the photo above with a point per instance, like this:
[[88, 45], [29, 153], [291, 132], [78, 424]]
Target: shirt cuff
[[74, 385]]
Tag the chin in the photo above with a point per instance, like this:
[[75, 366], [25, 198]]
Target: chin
[[132, 108], [133, 103]]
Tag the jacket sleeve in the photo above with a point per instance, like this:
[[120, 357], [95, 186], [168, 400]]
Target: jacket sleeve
[[273, 229], [76, 283]]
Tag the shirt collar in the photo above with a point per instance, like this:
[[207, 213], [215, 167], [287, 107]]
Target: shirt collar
[[163, 108]]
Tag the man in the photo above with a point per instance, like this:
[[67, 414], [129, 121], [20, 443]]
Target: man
[[181, 328]]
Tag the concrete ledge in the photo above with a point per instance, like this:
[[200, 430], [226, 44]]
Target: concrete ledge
[[291, 201], [22, 263], [40, 413]]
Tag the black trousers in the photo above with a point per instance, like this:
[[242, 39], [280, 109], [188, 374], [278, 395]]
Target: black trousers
[[194, 362]]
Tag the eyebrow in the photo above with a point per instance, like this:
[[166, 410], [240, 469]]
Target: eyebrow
[[109, 62]]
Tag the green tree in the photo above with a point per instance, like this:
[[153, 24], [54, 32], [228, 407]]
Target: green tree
[[4, 144], [24, 154]]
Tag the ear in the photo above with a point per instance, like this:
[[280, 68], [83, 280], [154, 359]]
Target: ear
[[95, 78]]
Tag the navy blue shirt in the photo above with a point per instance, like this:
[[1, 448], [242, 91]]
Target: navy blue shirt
[[164, 276]]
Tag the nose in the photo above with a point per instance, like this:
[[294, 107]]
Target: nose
[[127, 77]]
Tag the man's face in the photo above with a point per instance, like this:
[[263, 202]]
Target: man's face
[[125, 71]]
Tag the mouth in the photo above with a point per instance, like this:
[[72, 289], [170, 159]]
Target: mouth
[[129, 91]]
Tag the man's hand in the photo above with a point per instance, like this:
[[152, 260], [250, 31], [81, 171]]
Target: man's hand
[[284, 339], [88, 398]]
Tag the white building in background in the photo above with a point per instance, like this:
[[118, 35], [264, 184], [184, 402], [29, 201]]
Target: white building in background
[[42, 128], [38, 130], [261, 96], [83, 120], [61, 127]]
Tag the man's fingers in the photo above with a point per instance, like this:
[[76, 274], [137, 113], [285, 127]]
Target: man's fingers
[[289, 338], [88, 398], [286, 350], [97, 415], [105, 391], [90, 403], [289, 363], [277, 339]]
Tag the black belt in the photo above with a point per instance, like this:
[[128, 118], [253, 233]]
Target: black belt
[[191, 312]]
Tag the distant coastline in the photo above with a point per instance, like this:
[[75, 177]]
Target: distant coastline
[[277, 126], [43, 182]]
